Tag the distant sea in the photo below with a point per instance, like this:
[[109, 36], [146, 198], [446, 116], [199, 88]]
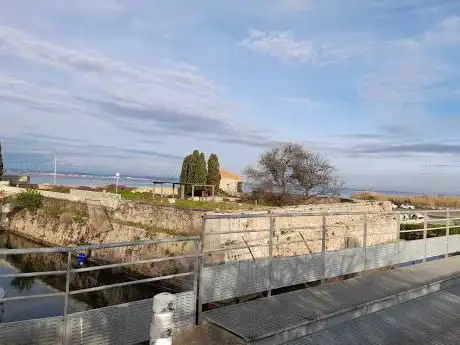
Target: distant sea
[[94, 180]]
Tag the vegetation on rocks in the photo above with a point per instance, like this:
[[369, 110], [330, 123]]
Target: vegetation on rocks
[[427, 201], [30, 199], [1, 162]]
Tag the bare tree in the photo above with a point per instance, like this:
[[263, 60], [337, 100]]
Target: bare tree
[[292, 169]]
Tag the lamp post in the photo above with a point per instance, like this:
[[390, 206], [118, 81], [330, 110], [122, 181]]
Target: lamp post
[[116, 186]]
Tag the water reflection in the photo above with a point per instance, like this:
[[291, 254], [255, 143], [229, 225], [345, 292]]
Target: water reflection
[[53, 306]]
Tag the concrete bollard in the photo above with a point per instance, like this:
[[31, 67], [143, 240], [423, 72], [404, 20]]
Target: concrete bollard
[[162, 326]]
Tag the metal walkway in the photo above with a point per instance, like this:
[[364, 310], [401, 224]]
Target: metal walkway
[[433, 319], [282, 318]]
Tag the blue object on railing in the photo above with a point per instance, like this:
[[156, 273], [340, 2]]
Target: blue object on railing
[[81, 259]]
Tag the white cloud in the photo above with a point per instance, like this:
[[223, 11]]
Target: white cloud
[[166, 89], [446, 32], [293, 5], [285, 46], [298, 100], [280, 44]]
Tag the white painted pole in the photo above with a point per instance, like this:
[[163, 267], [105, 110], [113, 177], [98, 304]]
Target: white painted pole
[[162, 326], [116, 186]]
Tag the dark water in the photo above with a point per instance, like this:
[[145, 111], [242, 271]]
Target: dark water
[[54, 306]]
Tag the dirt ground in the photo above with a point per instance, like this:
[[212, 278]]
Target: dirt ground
[[205, 334]]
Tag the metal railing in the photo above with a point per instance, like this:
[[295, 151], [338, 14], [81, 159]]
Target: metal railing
[[70, 270], [263, 252], [334, 244]]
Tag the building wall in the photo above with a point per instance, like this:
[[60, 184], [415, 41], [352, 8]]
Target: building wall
[[229, 186]]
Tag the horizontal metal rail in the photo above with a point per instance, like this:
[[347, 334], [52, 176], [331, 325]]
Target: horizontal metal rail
[[413, 230], [134, 282], [236, 232], [311, 214], [95, 246], [19, 298], [33, 274], [440, 228], [235, 248], [130, 263]]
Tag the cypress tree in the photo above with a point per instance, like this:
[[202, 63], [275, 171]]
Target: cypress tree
[[200, 172], [1, 162], [214, 171]]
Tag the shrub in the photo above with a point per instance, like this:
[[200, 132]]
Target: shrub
[[30, 199]]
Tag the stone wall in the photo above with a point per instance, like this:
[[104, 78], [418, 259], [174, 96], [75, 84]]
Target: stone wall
[[97, 198], [183, 221], [301, 235]]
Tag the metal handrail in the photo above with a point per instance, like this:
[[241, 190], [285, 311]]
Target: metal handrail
[[315, 214], [95, 246]]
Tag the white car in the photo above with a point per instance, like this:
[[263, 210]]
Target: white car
[[407, 207]]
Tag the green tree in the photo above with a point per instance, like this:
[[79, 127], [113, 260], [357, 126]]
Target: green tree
[[1, 162], [192, 170], [200, 172], [214, 171]]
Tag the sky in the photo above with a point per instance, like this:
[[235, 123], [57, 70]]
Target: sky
[[133, 86]]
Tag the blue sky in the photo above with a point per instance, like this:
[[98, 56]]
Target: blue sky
[[133, 86]]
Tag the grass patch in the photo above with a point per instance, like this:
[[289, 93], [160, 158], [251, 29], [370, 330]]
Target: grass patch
[[30, 199], [154, 230], [423, 201], [409, 236], [201, 205]]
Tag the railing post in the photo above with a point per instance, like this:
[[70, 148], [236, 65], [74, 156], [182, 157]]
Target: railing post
[[200, 273], [65, 336], [323, 248], [425, 231], [447, 232], [196, 275], [365, 242], [398, 236], [270, 254]]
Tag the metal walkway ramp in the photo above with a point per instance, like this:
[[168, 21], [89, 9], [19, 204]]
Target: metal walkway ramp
[[286, 317], [432, 319]]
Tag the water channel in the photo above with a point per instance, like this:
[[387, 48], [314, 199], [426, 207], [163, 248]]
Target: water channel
[[54, 306]]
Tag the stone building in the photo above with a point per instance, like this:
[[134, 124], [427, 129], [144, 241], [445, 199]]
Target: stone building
[[230, 183]]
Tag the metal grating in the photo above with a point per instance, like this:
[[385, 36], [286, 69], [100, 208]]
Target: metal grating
[[222, 282], [454, 243], [407, 323], [411, 250], [127, 323], [259, 319], [297, 270], [122, 324], [39, 331], [344, 261], [185, 311], [436, 246], [381, 255]]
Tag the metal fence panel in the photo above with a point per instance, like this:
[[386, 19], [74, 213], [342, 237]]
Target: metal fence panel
[[127, 323], [381, 255], [454, 243], [221, 282], [185, 311], [344, 261], [40, 331], [436, 246], [297, 270], [411, 250]]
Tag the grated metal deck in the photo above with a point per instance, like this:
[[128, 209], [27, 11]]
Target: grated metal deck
[[258, 320], [432, 319]]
